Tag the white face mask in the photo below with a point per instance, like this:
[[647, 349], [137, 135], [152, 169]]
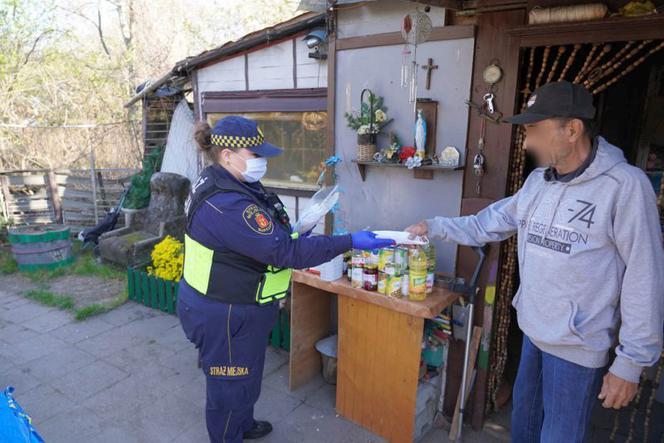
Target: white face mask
[[255, 169]]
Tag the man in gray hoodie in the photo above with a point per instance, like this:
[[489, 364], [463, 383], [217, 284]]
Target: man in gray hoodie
[[591, 263]]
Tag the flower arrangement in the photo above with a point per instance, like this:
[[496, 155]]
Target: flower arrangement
[[167, 259], [361, 122], [406, 155]]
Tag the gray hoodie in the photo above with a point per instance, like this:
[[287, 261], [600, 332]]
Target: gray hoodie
[[590, 257]]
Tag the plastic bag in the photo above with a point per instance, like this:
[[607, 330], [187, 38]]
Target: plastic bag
[[321, 203], [15, 423]]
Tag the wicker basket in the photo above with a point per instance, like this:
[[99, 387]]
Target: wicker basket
[[366, 147], [365, 153]]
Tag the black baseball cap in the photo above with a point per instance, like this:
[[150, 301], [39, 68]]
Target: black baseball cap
[[556, 99]]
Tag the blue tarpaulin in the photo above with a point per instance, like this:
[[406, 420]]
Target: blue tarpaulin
[[15, 423]]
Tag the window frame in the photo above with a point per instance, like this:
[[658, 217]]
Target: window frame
[[268, 100]]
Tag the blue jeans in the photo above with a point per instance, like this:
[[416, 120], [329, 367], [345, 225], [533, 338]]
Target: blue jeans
[[552, 398]]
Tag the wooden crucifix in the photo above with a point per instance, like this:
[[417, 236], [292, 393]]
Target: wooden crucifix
[[429, 67]]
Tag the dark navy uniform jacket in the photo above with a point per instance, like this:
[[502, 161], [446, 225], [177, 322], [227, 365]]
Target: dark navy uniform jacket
[[233, 221]]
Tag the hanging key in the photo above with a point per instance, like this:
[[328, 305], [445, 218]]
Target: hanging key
[[478, 165], [488, 99], [483, 111]]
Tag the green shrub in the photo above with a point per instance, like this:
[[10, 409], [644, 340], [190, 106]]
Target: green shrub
[[139, 193]]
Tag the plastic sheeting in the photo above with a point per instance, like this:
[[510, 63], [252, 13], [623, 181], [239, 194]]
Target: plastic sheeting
[[321, 5], [181, 155]]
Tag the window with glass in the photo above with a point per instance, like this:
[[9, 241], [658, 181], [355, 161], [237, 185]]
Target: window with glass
[[294, 120], [303, 137]]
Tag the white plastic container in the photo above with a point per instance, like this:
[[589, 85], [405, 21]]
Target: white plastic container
[[332, 270]]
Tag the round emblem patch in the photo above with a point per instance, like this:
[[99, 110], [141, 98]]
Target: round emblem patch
[[258, 220]]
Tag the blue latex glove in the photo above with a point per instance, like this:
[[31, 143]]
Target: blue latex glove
[[368, 240]]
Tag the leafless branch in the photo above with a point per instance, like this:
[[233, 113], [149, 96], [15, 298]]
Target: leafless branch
[[101, 34], [34, 46], [96, 24]]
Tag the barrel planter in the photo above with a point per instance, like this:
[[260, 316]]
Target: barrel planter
[[157, 293], [41, 247], [151, 291]]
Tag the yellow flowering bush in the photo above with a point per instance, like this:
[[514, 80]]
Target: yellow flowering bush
[[167, 259]]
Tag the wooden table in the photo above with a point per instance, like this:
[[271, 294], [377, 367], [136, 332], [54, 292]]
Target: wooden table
[[380, 340]]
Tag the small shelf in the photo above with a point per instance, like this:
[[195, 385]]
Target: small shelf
[[423, 172]]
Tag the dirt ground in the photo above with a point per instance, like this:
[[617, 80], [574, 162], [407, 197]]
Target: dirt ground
[[85, 290]]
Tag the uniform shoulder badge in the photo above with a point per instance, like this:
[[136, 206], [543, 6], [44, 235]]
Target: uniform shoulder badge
[[258, 220]]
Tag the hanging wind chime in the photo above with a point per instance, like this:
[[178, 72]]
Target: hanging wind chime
[[415, 29]]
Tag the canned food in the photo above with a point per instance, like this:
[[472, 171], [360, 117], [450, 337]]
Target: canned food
[[405, 285], [430, 250], [430, 280], [382, 282], [357, 259], [385, 259], [393, 286], [357, 278], [400, 260], [370, 258], [370, 279]]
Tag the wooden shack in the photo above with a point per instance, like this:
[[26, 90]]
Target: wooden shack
[[269, 74]]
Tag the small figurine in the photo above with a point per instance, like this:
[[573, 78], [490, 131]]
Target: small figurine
[[420, 134]]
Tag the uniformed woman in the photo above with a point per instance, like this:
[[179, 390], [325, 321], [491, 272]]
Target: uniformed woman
[[239, 255]]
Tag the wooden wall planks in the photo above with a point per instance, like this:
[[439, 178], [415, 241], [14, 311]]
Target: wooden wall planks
[[493, 42], [378, 348]]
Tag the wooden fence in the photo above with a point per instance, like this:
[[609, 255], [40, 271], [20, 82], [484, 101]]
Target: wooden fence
[[78, 198]]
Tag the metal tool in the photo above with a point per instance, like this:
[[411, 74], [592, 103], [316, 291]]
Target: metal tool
[[469, 291]]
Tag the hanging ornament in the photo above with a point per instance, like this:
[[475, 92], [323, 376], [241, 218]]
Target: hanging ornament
[[406, 65], [416, 27]]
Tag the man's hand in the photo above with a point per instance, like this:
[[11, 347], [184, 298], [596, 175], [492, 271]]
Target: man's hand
[[420, 229], [616, 392]]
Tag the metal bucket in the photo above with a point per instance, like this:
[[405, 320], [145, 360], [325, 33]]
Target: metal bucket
[[41, 247]]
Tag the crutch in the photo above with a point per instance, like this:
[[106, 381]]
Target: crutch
[[470, 292]]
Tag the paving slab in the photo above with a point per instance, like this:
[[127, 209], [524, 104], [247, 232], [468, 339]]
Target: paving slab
[[78, 425], [47, 323], [25, 312], [57, 364], [74, 332], [82, 383], [44, 403], [21, 379], [14, 333], [38, 346], [130, 375]]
